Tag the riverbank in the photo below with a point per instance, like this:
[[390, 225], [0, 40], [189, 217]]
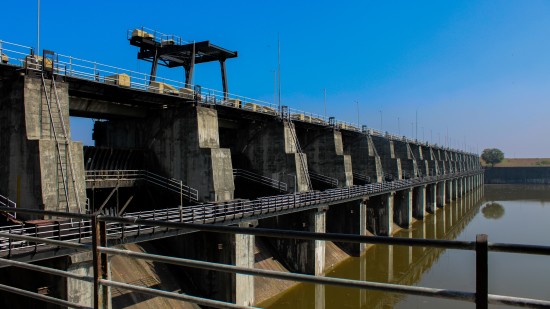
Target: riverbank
[[517, 175]]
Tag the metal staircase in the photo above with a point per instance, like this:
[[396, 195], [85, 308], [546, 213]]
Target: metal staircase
[[62, 144]]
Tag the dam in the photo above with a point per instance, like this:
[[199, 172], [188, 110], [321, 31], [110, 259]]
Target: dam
[[204, 173]]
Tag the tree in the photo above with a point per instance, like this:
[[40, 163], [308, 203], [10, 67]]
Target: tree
[[492, 156]]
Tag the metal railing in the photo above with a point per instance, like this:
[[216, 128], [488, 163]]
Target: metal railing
[[362, 177], [93, 71], [98, 244], [173, 185], [333, 182], [6, 202], [264, 180], [214, 213]]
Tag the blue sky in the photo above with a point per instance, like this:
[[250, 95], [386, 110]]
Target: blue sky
[[479, 70]]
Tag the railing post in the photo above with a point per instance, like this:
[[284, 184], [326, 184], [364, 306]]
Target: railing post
[[101, 295], [482, 275]]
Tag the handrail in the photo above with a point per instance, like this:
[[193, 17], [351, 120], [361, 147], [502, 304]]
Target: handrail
[[223, 212], [6, 202], [90, 70], [100, 230], [173, 185], [324, 179], [264, 180], [361, 177]]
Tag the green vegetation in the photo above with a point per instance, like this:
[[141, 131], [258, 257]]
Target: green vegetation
[[492, 156]]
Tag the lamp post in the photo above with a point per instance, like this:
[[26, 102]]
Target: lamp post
[[381, 128]]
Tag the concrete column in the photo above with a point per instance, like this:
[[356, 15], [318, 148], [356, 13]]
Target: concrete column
[[419, 209], [30, 120], [185, 144], [386, 214], [455, 188], [366, 160], [431, 198], [349, 218], [325, 153], [441, 194], [390, 162], [302, 256], [271, 149], [402, 214], [244, 257], [231, 249], [78, 291], [449, 191]]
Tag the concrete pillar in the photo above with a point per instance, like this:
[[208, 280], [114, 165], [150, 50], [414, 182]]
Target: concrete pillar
[[419, 206], [302, 256], [386, 214], [448, 191], [30, 120], [185, 143], [232, 249], [409, 165], [390, 162], [366, 160], [271, 149], [441, 194], [244, 257], [325, 153], [402, 214], [78, 291], [431, 198], [349, 218]]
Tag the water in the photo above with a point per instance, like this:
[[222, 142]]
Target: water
[[507, 214]]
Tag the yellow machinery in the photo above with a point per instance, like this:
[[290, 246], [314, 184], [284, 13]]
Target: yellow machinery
[[122, 80], [141, 34]]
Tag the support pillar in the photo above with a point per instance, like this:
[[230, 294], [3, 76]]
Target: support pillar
[[402, 214], [244, 257], [302, 256], [349, 218], [386, 214], [441, 194], [78, 291], [449, 191], [431, 198], [419, 209], [231, 249]]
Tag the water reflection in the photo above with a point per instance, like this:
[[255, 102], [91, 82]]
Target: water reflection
[[493, 210], [389, 264]]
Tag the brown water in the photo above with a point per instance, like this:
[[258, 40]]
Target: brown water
[[507, 214]]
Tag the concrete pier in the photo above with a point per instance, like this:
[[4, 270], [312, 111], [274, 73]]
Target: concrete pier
[[364, 156], [419, 202], [185, 143], [218, 248], [441, 194], [402, 213], [271, 149], [325, 153], [431, 198], [349, 218], [41, 167], [302, 256], [390, 162]]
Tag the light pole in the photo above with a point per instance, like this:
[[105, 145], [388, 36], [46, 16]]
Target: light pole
[[398, 127], [357, 103], [381, 128]]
